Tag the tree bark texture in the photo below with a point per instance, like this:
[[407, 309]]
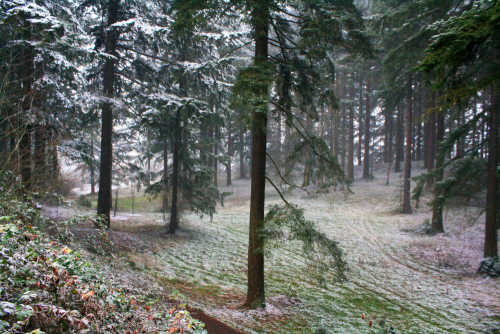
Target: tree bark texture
[[431, 140], [437, 207], [105, 181], [229, 151], [350, 143], [174, 219], [92, 167], [255, 292], [399, 139], [366, 159], [360, 121], [491, 234], [216, 153], [242, 155], [409, 139]]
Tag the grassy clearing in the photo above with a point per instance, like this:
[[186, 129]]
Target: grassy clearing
[[389, 278], [141, 204]]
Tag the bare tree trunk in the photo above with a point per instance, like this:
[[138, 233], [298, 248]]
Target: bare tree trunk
[[255, 292], [474, 127], [341, 121], [399, 139], [104, 199], [279, 148], [174, 219], [242, 155], [229, 151], [307, 163], [216, 153], [389, 137], [92, 167], [165, 175], [438, 202], [418, 153], [360, 121], [426, 143], [350, 143], [431, 151], [366, 159], [409, 138], [491, 234], [149, 155], [460, 141]]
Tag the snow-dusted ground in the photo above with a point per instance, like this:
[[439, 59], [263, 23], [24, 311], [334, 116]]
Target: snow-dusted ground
[[419, 284]]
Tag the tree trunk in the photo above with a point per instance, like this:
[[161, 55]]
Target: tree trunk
[[307, 161], [255, 292], [165, 175], [242, 155], [491, 234], [279, 148], [426, 143], [27, 79], [229, 152], [399, 139], [92, 166], [438, 202], [431, 150], [360, 121], [350, 143], [389, 136], [418, 154], [174, 219], [334, 143], [409, 139], [341, 148], [216, 153], [104, 199], [366, 159], [460, 141]]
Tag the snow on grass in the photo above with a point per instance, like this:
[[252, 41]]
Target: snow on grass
[[393, 275]]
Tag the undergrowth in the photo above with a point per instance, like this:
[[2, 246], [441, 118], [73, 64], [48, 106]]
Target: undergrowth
[[46, 287]]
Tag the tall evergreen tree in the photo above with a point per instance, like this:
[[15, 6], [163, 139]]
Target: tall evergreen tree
[[463, 60]]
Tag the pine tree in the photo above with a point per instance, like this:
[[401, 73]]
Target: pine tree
[[470, 41]]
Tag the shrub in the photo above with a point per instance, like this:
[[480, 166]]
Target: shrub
[[45, 287], [83, 201]]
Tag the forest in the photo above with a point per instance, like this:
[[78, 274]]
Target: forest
[[249, 166]]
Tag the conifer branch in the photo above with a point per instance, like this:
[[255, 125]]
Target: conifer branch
[[283, 178]]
